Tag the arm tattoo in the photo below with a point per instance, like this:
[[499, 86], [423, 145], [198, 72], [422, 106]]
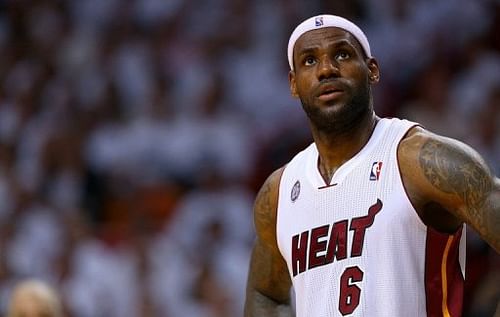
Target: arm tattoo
[[264, 220], [264, 202], [268, 282], [455, 170]]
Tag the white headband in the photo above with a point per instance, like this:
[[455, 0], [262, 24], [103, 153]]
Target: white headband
[[323, 21]]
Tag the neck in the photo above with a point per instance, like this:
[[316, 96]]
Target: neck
[[336, 148]]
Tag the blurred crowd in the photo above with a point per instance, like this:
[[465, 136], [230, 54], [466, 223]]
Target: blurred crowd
[[135, 134]]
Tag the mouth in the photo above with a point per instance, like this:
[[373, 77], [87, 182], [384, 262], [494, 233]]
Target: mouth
[[329, 93]]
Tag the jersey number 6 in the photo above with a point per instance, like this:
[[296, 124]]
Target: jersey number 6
[[349, 291]]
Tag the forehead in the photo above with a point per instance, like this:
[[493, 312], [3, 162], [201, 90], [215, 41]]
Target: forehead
[[325, 37]]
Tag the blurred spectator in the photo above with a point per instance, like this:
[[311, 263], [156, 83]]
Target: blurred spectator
[[33, 298]]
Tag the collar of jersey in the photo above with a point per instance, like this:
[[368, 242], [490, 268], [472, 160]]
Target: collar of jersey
[[340, 174]]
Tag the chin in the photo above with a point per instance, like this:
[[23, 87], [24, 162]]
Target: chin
[[337, 117]]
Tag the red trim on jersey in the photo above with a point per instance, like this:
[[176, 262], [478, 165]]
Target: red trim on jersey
[[327, 186], [444, 283]]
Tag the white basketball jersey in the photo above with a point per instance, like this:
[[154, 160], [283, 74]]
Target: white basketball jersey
[[356, 246]]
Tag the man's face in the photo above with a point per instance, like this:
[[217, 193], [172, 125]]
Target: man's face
[[332, 77]]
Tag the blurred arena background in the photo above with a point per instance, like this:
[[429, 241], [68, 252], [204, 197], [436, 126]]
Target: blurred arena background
[[134, 135]]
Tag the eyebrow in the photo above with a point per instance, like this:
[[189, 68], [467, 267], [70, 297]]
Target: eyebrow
[[338, 43]]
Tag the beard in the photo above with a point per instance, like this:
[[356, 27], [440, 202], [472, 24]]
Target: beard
[[345, 117]]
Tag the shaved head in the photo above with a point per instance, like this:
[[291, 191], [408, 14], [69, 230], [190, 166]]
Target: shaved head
[[34, 298]]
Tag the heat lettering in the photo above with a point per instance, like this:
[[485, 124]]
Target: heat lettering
[[308, 245], [359, 226], [299, 251], [337, 246], [317, 246]]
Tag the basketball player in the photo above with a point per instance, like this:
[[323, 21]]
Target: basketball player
[[369, 219], [33, 298]]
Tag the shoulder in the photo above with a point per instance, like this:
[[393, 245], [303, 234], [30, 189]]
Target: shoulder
[[440, 169], [449, 183], [435, 155], [265, 208]]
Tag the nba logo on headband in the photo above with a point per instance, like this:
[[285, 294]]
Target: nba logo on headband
[[322, 21]]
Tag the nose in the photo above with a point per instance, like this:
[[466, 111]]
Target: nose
[[328, 68]]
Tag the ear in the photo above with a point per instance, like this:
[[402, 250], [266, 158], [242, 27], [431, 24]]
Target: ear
[[373, 70], [293, 84]]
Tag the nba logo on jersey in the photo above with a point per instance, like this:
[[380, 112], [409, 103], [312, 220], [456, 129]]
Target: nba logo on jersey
[[318, 21], [375, 171]]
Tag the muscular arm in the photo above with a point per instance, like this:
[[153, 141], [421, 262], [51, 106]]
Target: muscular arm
[[268, 286], [449, 183]]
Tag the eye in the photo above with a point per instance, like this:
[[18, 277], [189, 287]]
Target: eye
[[309, 60], [342, 55]]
